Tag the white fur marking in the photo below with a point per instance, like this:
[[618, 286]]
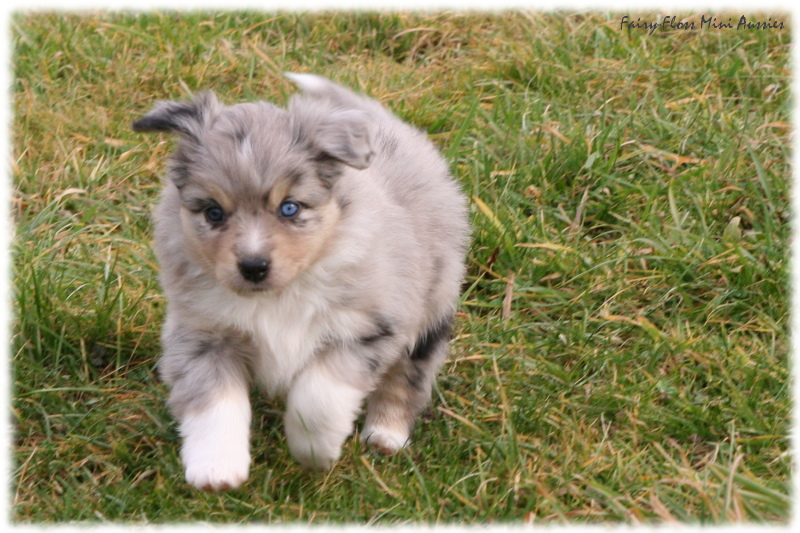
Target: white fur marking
[[216, 443], [253, 242], [246, 149], [308, 82], [287, 328], [320, 414]]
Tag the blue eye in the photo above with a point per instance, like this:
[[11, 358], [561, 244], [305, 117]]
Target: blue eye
[[289, 209], [214, 214]]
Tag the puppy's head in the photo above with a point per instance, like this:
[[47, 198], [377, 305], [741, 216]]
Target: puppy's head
[[257, 183]]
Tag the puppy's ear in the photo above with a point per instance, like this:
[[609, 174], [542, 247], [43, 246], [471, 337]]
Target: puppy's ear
[[186, 118], [346, 135], [333, 120]]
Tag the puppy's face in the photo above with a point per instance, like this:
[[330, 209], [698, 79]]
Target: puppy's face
[[252, 221], [257, 184]]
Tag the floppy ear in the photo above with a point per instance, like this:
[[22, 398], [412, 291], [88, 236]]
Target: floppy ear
[[186, 118], [346, 135], [341, 134]]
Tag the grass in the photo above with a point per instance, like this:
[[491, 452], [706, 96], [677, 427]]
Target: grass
[[621, 351]]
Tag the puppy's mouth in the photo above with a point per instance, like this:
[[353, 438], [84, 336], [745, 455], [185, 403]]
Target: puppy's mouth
[[245, 289]]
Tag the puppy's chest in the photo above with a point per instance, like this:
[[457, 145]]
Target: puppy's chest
[[286, 339]]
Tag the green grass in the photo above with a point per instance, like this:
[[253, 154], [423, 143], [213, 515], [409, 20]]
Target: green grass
[[621, 351]]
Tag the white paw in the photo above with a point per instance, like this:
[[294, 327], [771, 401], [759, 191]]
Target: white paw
[[384, 441], [313, 453], [216, 443], [218, 473], [320, 415]]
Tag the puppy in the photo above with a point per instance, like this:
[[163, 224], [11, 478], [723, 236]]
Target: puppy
[[316, 251]]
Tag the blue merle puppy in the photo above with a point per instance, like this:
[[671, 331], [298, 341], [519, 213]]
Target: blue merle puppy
[[317, 251]]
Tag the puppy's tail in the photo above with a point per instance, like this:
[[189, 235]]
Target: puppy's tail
[[324, 89]]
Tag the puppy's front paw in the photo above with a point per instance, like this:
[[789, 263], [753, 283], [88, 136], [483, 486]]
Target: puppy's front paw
[[313, 452], [320, 413], [215, 463], [383, 440], [220, 473], [216, 444]]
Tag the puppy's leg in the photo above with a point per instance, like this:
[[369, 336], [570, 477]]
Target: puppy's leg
[[216, 450], [209, 397], [393, 407], [321, 409]]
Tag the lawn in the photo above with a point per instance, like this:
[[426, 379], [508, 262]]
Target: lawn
[[621, 351]]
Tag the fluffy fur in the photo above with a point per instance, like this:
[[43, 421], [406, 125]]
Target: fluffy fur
[[317, 251]]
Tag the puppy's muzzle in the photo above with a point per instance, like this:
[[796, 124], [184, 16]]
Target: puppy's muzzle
[[254, 269]]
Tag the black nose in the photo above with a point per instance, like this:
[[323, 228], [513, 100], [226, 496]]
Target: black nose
[[254, 269]]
